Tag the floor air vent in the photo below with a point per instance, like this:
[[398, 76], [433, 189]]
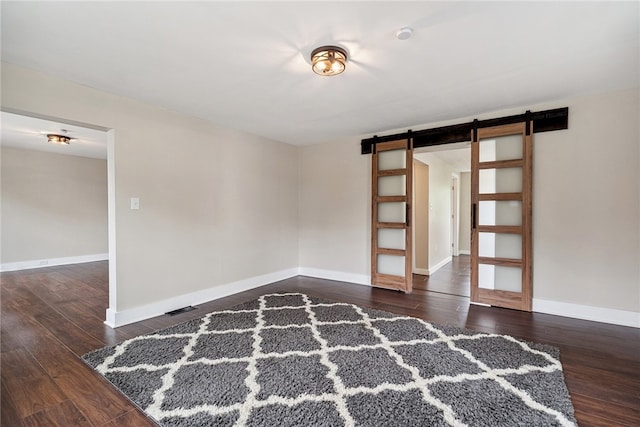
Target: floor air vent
[[180, 310]]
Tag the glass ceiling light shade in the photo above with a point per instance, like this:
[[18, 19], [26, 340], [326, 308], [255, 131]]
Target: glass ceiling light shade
[[58, 139], [328, 60]]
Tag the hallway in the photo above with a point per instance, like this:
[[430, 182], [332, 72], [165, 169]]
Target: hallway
[[452, 279]]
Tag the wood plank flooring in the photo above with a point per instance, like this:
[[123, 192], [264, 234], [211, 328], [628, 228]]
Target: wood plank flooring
[[51, 316], [453, 278]]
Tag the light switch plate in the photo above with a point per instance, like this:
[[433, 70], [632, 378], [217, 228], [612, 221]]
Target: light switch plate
[[135, 203]]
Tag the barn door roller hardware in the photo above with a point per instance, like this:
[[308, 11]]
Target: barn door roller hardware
[[543, 121]]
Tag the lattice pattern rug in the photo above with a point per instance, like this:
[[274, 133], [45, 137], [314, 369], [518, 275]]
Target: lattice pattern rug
[[295, 360]]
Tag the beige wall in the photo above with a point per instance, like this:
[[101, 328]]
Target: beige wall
[[586, 205], [53, 206], [219, 205], [586, 228], [440, 179], [464, 215], [216, 205], [335, 208]]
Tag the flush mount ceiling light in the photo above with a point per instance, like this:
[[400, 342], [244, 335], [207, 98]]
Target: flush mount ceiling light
[[328, 60], [58, 139]]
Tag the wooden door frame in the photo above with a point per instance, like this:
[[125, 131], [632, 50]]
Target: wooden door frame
[[455, 212]]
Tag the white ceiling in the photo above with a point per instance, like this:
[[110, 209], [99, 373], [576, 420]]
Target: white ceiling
[[458, 155], [30, 133], [245, 64]]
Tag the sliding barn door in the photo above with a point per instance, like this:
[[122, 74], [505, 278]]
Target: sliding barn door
[[501, 169], [391, 197]]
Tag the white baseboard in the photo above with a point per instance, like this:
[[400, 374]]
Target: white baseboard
[[423, 271], [587, 312], [52, 262], [340, 276], [439, 265], [115, 319], [461, 252], [124, 317]]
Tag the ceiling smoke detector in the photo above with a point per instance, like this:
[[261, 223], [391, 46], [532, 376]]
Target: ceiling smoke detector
[[404, 33]]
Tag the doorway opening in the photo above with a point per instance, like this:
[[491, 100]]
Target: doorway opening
[[442, 218], [61, 208]]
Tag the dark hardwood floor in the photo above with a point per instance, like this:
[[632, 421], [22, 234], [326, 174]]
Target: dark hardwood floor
[[452, 279], [52, 316]]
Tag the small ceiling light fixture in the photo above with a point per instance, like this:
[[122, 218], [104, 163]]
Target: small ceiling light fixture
[[328, 60], [404, 33], [58, 139]]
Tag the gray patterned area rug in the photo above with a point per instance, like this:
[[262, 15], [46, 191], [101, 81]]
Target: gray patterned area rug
[[294, 360]]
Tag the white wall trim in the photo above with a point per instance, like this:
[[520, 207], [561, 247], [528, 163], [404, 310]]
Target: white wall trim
[[115, 319], [422, 271], [587, 312], [439, 265], [340, 276], [51, 262], [576, 311], [111, 208], [463, 252]]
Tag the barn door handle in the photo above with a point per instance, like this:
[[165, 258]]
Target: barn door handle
[[474, 211], [408, 211]]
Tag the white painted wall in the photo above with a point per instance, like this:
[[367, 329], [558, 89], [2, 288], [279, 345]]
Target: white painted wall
[[586, 215], [53, 206], [217, 206]]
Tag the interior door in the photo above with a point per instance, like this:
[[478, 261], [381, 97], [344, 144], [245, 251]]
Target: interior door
[[391, 198], [501, 166]]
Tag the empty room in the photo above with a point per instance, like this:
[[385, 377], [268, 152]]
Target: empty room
[[235, 213]]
